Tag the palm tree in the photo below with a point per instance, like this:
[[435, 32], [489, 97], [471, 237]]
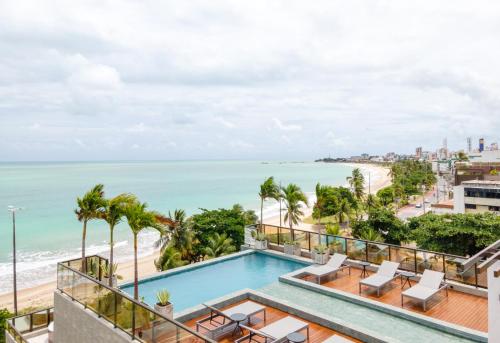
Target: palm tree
[[140, 218], [293, 198], [113, 212], [169, 258], [90, 207], [219, 245], [268, 190], [356, 181], [371, 201], [370, 234], [178, 235], [319, 205], [343, 211]]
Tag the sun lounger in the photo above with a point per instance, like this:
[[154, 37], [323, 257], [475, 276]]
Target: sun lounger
[[429, 285], [337, 339], [384, 275], [334, 264], [219, 323], [277, 331]]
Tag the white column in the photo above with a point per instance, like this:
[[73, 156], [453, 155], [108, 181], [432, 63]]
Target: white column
[[494, 304]]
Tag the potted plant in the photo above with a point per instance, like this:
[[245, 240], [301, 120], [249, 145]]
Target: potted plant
[[320, 254], [106, 271], [292, 248], [163, 305], [260, 241]]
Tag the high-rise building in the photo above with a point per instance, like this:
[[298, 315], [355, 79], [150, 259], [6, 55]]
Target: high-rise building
[[418, 152], [481, 144], [469, 145]]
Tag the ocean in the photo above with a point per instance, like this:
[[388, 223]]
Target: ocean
[[47, 228]]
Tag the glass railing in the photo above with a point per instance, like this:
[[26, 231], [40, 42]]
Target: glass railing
[[135, 318], [24, 324], [414, 260]]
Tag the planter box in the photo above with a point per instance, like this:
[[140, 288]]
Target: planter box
[[320, 258], [260, 245], [293, 249], [167, 310], [105, 280]]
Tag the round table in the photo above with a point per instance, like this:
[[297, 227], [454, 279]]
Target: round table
[[407, 276], [296, 337], [364, 264], [238, 318]]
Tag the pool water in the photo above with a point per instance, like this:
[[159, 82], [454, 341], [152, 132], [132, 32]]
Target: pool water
[[391, 328], [195, 286]]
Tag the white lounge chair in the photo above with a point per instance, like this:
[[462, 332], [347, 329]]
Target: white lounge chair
[[277, 331], [334, 264], [429, 285], [337, 339], [384, 275], [219, 323]]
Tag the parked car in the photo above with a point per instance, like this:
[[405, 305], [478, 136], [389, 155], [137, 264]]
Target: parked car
[[418, 205]]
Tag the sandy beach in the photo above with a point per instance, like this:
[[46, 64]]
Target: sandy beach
[[41, 295]]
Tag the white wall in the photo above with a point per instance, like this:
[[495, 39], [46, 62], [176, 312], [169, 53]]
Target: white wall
[[458, 199], [493, 304]]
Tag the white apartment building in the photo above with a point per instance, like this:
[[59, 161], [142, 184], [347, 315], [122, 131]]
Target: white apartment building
[[477, 196]]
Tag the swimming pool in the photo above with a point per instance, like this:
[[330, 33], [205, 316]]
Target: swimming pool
[[193, 286]]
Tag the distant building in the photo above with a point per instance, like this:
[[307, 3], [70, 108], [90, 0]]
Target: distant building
[[494, 146], [365, 156], [469, 144], [481, 144], [486, 156], [418, 153], [477, 196]]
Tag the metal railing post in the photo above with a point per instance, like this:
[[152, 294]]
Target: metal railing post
[[279, 234], [475, 275], [133, 320], [415, 259], [366, 251], [115, 313]]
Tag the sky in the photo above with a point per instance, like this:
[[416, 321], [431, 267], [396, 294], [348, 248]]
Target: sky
[[281, 80]]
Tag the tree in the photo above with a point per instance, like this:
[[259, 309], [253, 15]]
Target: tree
[[113, 212], [385, 222], [386, 195], [459, 234], [219, 245], [90, 207], [293, 198], [231, 222], [462, 156], [356, 181], [371, 202], [321, 199], [4, 315], [169, 258], [268, 190], [343, 211], [140, 218]]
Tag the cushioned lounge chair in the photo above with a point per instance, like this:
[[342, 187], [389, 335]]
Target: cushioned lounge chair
[[384, 275], [219, 323], [337, 339], [429, 285], [334, 264], [277, 331]]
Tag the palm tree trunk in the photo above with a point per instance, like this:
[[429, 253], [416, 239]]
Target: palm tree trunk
[[110, 268], [280, 213], [261, 210], [290, 222], [84, 235], [136, 275]]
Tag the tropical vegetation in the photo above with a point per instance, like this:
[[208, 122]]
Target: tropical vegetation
[[294, 199], [268, 190], [4, 315]]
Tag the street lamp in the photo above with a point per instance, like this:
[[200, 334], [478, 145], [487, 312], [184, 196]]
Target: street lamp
[[13, 210]]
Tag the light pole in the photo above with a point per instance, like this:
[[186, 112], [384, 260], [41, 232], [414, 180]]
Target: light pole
[[13, 209], [280, 204]]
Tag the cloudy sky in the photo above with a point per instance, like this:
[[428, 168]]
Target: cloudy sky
[[245, 79]]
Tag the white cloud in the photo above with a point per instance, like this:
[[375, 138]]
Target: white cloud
[[291, 127], [260, 75]]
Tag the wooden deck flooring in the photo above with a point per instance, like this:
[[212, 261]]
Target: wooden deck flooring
[[317, 333], [458, 308]]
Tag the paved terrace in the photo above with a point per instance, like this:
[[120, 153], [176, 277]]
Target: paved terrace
[[458, 308], [317, 333]]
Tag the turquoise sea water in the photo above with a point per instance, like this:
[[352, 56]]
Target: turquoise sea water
[[248, 271], [47, 230]]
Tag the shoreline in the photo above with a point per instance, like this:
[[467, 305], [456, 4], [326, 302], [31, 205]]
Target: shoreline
[[41, 295]]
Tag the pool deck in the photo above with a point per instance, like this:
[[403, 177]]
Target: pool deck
[[459, 308], [317, 333]]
